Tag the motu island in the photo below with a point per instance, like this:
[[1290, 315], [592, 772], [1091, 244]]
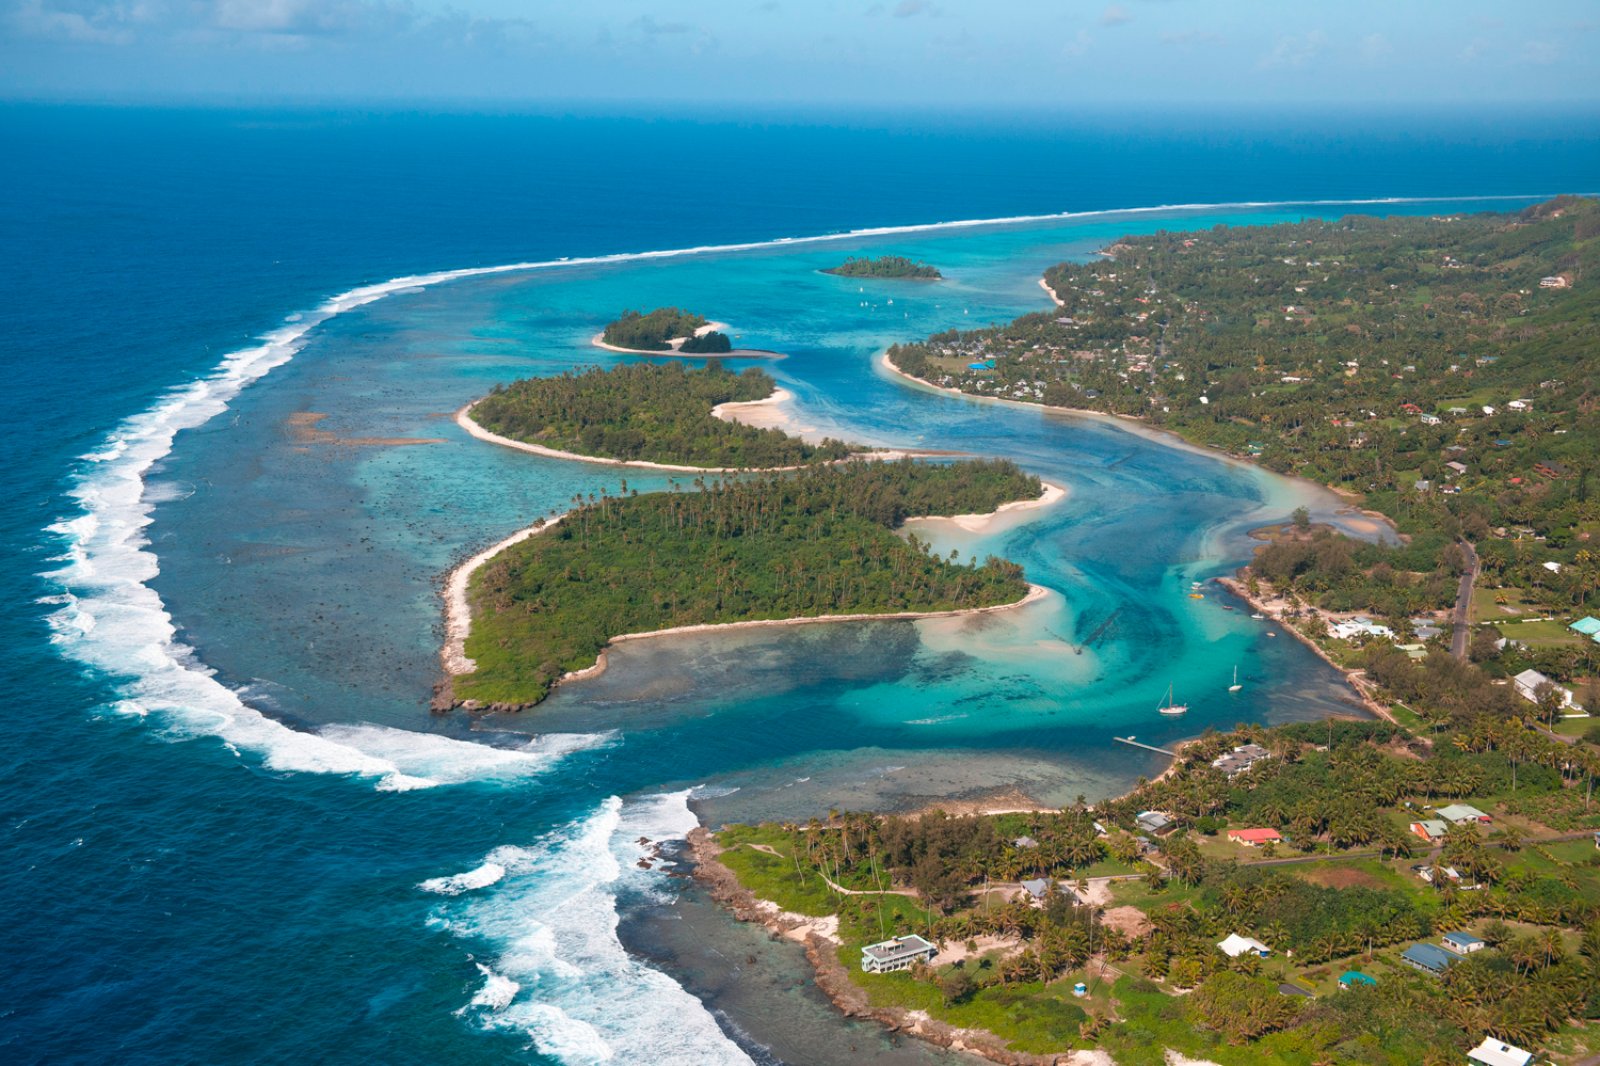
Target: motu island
[[648, 414], [817, 542], [666, 329], [885, 266]]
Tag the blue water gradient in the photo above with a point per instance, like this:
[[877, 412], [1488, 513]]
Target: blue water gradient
[[266, 894]]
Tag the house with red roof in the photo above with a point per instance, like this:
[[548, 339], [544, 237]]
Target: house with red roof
[[1252, 837]]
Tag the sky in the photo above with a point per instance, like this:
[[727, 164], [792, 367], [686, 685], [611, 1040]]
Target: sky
[[1051, 54]]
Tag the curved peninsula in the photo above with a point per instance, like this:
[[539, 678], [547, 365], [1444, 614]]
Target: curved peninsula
[[885, 266], [665, 331], [654, 416], [816, 545]]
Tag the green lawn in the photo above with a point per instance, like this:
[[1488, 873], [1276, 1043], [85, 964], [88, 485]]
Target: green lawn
[[1542, 632]]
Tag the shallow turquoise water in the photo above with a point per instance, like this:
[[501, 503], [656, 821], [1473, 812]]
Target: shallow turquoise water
[[257, 566], [301, 568]]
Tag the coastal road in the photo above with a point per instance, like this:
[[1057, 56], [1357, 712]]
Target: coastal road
[[1458, 638]]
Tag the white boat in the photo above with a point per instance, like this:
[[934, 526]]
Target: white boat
[[1235, 687], [1170, 708], [1259, 617]]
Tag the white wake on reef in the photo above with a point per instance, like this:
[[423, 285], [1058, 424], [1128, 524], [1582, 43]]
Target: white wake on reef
[[559, 973], [110, 619]]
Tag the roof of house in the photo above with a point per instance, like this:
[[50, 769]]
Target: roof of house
[[1458, 811], [1429, 956], [898, 948], [1494, 1052], [1254, 836], [1236, 945], [1530, 679], [1356, 977], [1025, 842], [1464, 939], [1433, 827], [1587, 625], [1036, 886]]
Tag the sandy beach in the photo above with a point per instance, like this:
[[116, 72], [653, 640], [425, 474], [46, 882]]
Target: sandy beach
[[458, 613], [1058, 301], [1007, 514], [465, 421], [1367, 522], [599, 341]]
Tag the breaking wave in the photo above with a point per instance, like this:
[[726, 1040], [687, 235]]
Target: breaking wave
[[110, 619], [558, 972]]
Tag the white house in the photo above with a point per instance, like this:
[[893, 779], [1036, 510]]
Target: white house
[[896, 954], [1528, 683], [1237, 945], [1494, 1052], [1359, 627]]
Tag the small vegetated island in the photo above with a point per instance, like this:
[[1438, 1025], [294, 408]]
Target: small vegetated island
[[1443, 371], [666, 329], [885, 266], [815, 542], [649, 413]]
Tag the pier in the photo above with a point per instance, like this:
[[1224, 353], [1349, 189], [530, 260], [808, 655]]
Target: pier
[[1146, 747]]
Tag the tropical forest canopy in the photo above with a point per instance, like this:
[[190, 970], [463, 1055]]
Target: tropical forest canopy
[[815, 542], [651, 331], [884, 266], [651, 413]]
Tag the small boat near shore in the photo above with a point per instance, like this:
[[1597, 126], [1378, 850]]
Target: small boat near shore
[[1235, 687], [1170, 708]]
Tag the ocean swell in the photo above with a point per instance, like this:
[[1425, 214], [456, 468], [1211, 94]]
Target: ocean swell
[[110, 619], [558, 972]]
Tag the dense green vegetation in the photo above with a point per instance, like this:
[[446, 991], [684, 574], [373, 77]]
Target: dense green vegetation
[[658, 414], [712, 342], [884, 266], [816, 542], [651, 331], [1367, 353], [1346, 790]]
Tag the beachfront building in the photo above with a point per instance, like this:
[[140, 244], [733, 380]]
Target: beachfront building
[[1463, 943], [1351, 628], [1237, 945], [1351, 978], [1155, 822], [1430, 830], [1251, 838], [1462, 814], [1037, 888], [897, 954], [1494, 1052], [1428, 958], [1240, 759]]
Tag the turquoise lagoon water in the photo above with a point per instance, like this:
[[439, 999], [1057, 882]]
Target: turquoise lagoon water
[[257, 845], [256, 533]]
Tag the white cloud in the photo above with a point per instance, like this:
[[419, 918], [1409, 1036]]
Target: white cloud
[[1295, 50], [1375, 46], [1540, 53], [910, 8], [1115, 15]]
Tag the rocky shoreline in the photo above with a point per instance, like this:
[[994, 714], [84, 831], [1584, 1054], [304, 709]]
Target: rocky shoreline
[[834, 979]]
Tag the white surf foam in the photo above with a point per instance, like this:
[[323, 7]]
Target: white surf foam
[[114, 622], [496, 994], [551, 923]]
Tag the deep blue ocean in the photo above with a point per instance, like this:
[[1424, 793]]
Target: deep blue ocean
[[233, 832]]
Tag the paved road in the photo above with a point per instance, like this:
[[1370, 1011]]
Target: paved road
[[1458, 638]]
